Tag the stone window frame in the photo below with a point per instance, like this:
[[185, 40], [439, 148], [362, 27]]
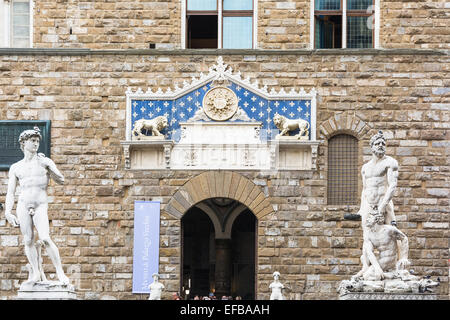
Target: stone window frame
[[219, 23], [376, 32], [342, 123], [5, 23]]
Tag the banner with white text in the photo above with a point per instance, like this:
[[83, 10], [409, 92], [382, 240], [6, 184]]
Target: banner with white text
[[146, 244]]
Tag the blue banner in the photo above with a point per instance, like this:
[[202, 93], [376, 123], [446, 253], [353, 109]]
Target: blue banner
[[146, 244]]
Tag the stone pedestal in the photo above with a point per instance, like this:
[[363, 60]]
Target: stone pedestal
[[387, 296], [46, 290]]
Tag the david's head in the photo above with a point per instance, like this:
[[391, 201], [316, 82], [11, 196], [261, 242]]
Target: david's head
[[378, 144], [29, 140]]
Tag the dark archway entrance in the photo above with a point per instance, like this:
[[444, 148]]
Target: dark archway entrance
[[219, 249]]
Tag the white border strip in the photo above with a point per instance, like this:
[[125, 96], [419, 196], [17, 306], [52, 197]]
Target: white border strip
[[183, 24]]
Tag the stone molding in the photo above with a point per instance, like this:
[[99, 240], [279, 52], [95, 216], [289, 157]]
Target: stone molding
[[387, 296], [204, 52], [345, 122], [219, 184]]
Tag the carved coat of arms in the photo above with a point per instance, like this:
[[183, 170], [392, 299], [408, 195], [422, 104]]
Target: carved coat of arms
[[220, 103]]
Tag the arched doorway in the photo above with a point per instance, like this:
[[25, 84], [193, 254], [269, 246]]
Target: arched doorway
[[219, 184], [218, 249]]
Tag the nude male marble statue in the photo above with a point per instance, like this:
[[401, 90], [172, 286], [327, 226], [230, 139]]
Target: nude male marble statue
[[33, 173], [156, 288], [391, 245], [276, 287], [385, 248], [379, 178]]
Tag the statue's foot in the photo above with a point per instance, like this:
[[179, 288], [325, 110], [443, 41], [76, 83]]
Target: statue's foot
[[63, 279], [35, 277]]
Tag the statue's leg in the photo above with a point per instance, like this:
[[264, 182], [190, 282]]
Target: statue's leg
[[42, 226], [26, 227], [139, 130], [390, 216]]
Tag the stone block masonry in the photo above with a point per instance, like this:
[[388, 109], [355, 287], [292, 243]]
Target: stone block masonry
[[402, 93], [284, 25]]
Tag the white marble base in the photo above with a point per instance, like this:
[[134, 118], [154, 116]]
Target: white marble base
[[387, 296], [46, 290], [290, 138], [148, 138]]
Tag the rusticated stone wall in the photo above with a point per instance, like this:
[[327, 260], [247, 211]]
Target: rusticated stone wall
[[91, 217], [125, 24]]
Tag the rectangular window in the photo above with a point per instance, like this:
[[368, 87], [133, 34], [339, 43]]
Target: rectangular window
[[20, 24], [16, 23], [342, 182], [343, 24], [219, 24], [10, 131]]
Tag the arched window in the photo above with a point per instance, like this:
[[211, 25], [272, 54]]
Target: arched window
[[342, 170]]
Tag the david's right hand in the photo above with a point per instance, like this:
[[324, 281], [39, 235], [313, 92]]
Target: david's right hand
[[12, 219]]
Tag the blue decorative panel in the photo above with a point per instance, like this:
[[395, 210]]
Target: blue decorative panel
[[257, 103], [258, 109]]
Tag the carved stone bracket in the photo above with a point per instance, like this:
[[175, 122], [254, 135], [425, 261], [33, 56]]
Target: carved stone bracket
[[274, 155], [158, 152], [294, 153], [126, 154]]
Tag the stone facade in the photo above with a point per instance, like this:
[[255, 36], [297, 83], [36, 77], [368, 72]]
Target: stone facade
[[299, 235], [127, 24], [402, 90]]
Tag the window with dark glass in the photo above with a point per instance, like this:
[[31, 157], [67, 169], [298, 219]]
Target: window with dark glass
[[343, 24], [342, 170], [226, 24]]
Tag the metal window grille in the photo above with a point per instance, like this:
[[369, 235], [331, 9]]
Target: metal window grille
[[358, 33], [350, 28], [328, 4], [342, 170], [359, 4]]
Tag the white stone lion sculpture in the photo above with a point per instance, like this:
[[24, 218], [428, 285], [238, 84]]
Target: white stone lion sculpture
[[154, 125], [285, 125]]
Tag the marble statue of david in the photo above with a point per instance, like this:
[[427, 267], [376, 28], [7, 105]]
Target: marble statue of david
[[33, 174]]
